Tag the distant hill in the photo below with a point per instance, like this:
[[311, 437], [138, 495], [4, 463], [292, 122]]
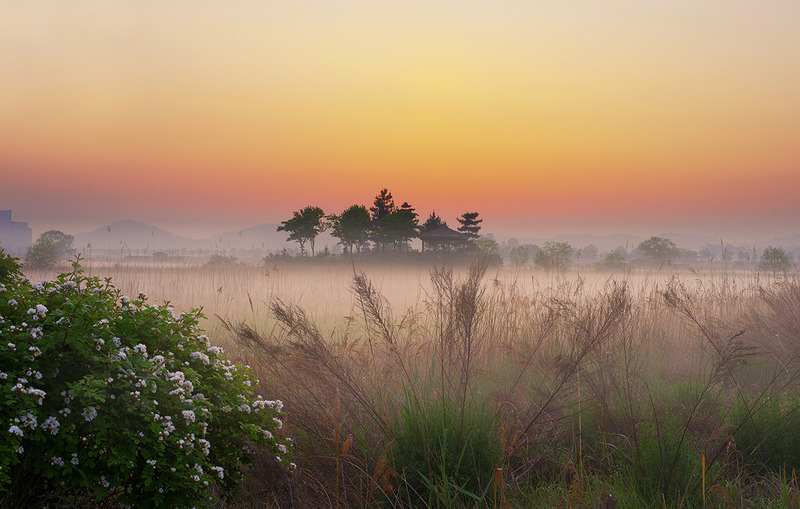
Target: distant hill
[[134, 238]]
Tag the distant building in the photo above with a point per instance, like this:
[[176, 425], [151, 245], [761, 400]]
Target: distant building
[[15, 236]]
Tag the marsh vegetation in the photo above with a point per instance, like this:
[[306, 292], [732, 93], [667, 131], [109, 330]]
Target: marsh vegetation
[[478, 386]]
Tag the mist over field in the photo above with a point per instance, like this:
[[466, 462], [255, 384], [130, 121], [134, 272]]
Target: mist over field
[[420, 254]]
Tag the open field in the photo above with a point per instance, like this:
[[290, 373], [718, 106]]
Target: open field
[[510, 387]]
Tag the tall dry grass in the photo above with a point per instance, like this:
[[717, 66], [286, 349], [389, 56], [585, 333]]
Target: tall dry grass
[[579, 377]]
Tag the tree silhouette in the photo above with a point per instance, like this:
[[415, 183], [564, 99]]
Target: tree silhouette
[[554, 255], [351, 227], [659, 250], [774, 259], [470, 224], [400, 226], [50, 247], [383, 205], [431, 223], [304, 226]]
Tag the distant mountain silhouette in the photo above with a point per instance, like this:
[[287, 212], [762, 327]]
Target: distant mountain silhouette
[[135, 238]]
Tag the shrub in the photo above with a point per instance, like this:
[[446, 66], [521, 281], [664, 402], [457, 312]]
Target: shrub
[[445, 459], [221, 261], [108, 399]]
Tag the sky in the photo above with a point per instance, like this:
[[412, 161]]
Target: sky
[[547, 118]]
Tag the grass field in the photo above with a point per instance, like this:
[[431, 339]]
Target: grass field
[[479, 386]]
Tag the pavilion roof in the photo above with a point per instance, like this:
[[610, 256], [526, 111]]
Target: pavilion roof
[[443, 232]]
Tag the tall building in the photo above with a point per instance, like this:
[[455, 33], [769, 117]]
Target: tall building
[[15, 236]]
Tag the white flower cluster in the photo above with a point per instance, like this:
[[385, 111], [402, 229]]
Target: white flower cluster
[[141, 349], [27, 420], [89, 413], [183, 386], [200, 355], [260, 404], [38, 312], [205, 446], [189, 416], [51, 424]]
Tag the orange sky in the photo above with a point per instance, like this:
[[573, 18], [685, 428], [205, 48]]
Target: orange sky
[[546, 117]]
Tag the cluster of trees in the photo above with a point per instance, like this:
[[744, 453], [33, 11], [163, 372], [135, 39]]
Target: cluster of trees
[[385, 225], [655, 251]]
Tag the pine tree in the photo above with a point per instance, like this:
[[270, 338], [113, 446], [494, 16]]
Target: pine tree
[[470, 224], [431, 223]]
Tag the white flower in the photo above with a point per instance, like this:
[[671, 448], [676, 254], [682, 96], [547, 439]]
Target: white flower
[[141, 348], [189, 416], [103, 481], [56, 461], [89, 413], [51, 424], [15, 430], [3, 376], [74, 459], [38, 394], [199, 355], [205, 446], [29, 420]]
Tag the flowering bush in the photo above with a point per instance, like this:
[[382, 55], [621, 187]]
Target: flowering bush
[[107, 398]]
